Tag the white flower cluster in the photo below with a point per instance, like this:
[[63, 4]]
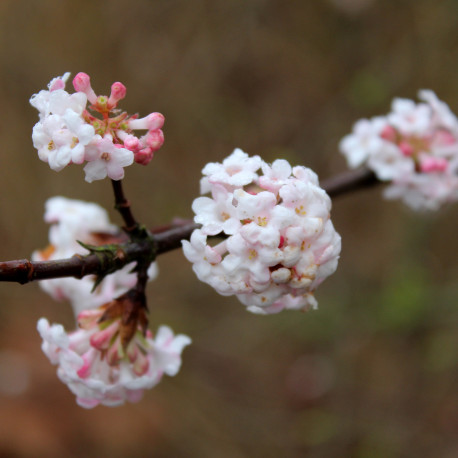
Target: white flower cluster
[[98, 370], [73, 220], [94, 361], [278, 242], [415, 147], [68, 133]]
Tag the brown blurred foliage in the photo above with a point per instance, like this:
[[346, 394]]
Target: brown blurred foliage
[[373, 372]]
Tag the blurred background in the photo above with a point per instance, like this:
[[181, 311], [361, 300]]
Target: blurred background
[[373, 373]]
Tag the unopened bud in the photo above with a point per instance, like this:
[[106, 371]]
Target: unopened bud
[[82, 83], [118, 92]]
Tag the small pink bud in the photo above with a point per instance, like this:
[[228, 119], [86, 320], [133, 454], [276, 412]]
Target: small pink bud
[[155, 139], [101, 339], [118, 92], [433, 164], [131, 143], [155, 121], [143, 156], [85, 370], [57, 84], [151, 122], [82, 83], [406, 148], [388, 133]]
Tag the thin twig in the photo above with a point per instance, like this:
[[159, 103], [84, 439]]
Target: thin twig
[[349, 181], [123, 207]]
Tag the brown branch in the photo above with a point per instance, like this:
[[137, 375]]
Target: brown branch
[[123, 207], [166, 238], [349, 181], [24, 271]]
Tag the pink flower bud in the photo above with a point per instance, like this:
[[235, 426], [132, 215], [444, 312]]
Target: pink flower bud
[[406, 148], [82, 83], [433, 164], [131, 142], [388, 133], [101, 339], [155, 121], [118, 92], [155, 139], [85, 370], [144, 156], [151, 122], [58, 83]]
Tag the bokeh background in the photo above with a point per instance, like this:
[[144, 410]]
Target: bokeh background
[[373, 373]]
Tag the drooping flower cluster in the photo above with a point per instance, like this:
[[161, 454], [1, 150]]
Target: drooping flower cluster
[[73, 220], [278, 242], [101, 135], [415, 147], [100, 368]]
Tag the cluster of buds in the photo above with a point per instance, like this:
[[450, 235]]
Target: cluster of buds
[[415, 147], [72, 221], [112, 357], [70, 132], [278, 242]]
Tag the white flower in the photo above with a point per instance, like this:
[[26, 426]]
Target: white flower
[[364, 142], [275, 175], [279, 244], [99, 370], [237, 170], [72, 220], [102, 135], [408, 117], [218, 213], [442, 115], [105, 158], [61, 134], [414, 147]]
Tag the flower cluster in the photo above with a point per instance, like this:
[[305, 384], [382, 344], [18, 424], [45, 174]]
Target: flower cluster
[[69, 132], [415, 147], [111, 357], [99, 368], [278, 242], [73, 220]]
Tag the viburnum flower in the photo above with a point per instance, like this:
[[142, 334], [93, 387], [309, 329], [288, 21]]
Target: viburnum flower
[[70, 132], [106, 158], [109, 361], [415, 147], [71, 221], [278, 242]]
